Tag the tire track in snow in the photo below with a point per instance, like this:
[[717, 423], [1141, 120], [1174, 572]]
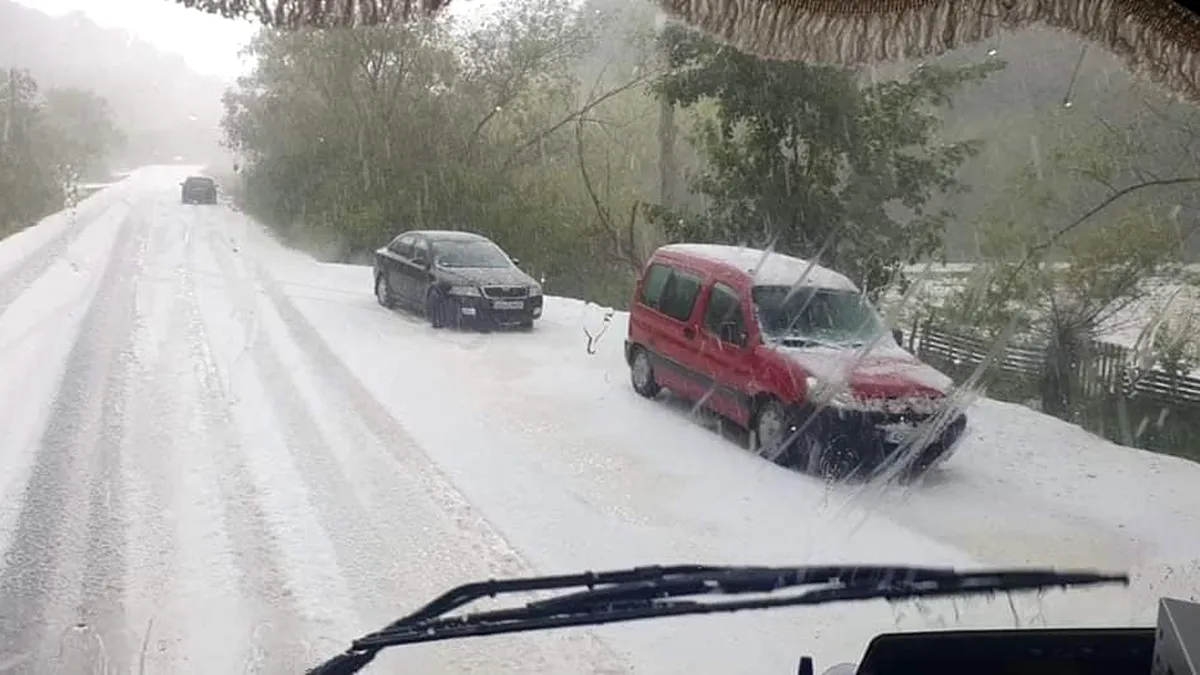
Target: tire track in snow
[[60, 587], [308, 562], [380, 431], [256, 549], [366, 561], [205, 589]]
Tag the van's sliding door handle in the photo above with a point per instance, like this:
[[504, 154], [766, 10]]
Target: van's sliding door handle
[[689, 332]]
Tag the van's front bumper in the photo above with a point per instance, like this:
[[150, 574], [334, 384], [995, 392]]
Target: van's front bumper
[[918, 442]]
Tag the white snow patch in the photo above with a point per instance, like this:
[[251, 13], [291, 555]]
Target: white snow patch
[[579, 472], [37, 332], [307, 554]]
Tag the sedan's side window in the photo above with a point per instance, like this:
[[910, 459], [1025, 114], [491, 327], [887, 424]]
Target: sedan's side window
[[402, 246], [420, 251]]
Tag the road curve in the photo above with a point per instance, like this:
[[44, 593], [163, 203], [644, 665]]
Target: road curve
[[217, 455], [177, 500]]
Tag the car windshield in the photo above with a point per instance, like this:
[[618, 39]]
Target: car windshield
[[301, 327], [820, 315], [470, 254]]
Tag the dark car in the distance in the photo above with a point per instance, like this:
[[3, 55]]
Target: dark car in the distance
[[198, 190], [456, 279]]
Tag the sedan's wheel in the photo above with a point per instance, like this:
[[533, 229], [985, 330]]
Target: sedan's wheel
[[773, 432], [642, 374], [383, 293]]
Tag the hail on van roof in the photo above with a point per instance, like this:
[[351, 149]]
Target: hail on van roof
[[777, 270]]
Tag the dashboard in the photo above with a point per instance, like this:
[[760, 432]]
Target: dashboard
[[1100, 651], [1172, 647]]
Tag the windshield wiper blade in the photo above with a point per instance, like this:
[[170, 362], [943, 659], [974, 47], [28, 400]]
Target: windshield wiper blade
[[646, 592]]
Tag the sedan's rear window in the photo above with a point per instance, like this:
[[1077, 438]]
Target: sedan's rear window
[[473, 254]]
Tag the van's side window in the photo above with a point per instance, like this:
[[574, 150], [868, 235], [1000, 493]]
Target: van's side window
[[723, 307], [652, 287], [679, 297]]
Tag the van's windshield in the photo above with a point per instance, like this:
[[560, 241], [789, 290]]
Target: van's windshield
[[815, 315]]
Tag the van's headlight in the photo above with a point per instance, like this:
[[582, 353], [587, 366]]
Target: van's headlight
[[535, 290], [465, 291]]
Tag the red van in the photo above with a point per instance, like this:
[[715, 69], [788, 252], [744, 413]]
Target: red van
[[793, 352]]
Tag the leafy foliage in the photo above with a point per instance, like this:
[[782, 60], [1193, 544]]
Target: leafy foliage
[[46, 143], [816, 162], [1059, 270], [350, 137], [1044, 262]]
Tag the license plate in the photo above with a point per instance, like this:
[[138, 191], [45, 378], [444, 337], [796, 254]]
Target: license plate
[[508, 304], [896, 433]]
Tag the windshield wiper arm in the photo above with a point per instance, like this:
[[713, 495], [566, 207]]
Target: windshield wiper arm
[[645, 592]]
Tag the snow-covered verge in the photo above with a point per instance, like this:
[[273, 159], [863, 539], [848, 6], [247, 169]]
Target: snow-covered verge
[[222, 449], [1166, 303], [556, 429]]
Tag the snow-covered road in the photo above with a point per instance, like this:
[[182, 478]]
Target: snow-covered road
[[217, 455]]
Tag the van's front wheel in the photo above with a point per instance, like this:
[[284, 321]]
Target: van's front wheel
[[773, 432]]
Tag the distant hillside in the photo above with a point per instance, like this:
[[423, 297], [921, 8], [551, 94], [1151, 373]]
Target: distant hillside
[[165, 109], [1022, 115]]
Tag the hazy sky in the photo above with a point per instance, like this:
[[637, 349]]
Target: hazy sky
[[209, 43]]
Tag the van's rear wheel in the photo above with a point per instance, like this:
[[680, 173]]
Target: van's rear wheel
[[641, 373]]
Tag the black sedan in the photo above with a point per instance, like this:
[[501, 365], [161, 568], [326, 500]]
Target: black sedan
[[198, 190], [456, 279]]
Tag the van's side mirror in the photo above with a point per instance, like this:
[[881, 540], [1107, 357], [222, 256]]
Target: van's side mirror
[[516, 260], [732, 333], [898, 336]]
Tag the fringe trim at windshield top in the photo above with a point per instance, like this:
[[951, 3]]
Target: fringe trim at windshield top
[[1159, 39]]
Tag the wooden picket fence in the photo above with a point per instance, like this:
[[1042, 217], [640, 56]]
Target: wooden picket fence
[[1149, 409]]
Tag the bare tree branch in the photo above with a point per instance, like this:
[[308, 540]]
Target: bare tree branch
[[573, 116], [1116, 196], [623, 253]]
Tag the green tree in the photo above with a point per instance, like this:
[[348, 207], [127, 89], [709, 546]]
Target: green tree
[[348, 137], [817, 162], [84, 132], [1069, 245], [44, 144]]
